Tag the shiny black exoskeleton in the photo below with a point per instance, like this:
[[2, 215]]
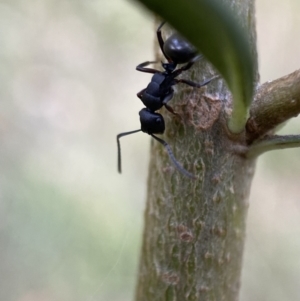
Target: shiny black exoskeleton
[[160, 90]]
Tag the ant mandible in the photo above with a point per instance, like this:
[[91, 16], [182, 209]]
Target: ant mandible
[[159, 91]]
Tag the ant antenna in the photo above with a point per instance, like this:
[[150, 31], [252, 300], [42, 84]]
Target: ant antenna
[[172, 157], [119, 147], [164, 143]]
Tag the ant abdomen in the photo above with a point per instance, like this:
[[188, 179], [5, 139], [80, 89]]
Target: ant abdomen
[[179, 50]]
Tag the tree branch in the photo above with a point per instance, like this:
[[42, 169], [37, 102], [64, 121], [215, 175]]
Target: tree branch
[[274, 103], [273, 143]]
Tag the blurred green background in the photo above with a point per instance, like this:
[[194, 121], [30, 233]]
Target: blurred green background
[[70, 225]]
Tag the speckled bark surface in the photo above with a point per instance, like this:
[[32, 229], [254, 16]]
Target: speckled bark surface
[[194, 230]]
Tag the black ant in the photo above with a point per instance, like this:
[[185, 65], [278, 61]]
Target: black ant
[[159, 91]]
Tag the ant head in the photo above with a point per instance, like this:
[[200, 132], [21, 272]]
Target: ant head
[[179, 50], [151, 123]]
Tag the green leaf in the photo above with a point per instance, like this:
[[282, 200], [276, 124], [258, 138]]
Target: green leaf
[[215, 31]]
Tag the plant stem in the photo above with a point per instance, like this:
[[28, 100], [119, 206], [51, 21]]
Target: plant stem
[[273, 143]]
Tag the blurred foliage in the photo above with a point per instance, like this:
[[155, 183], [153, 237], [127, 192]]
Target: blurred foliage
[[70, 226], [66, 232]]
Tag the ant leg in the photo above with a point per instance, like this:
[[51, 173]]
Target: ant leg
[[161, 41], [159, 36], [140, 94], [141, 68], [119, 147], [193, 84], [184, 68], [170, 109], [172, 157], [165, 103], [168, 97], [189, 64]]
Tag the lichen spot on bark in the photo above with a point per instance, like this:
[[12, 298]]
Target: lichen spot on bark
[[201, 110]]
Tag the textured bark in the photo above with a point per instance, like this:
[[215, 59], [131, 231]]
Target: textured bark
[[195, 229]]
